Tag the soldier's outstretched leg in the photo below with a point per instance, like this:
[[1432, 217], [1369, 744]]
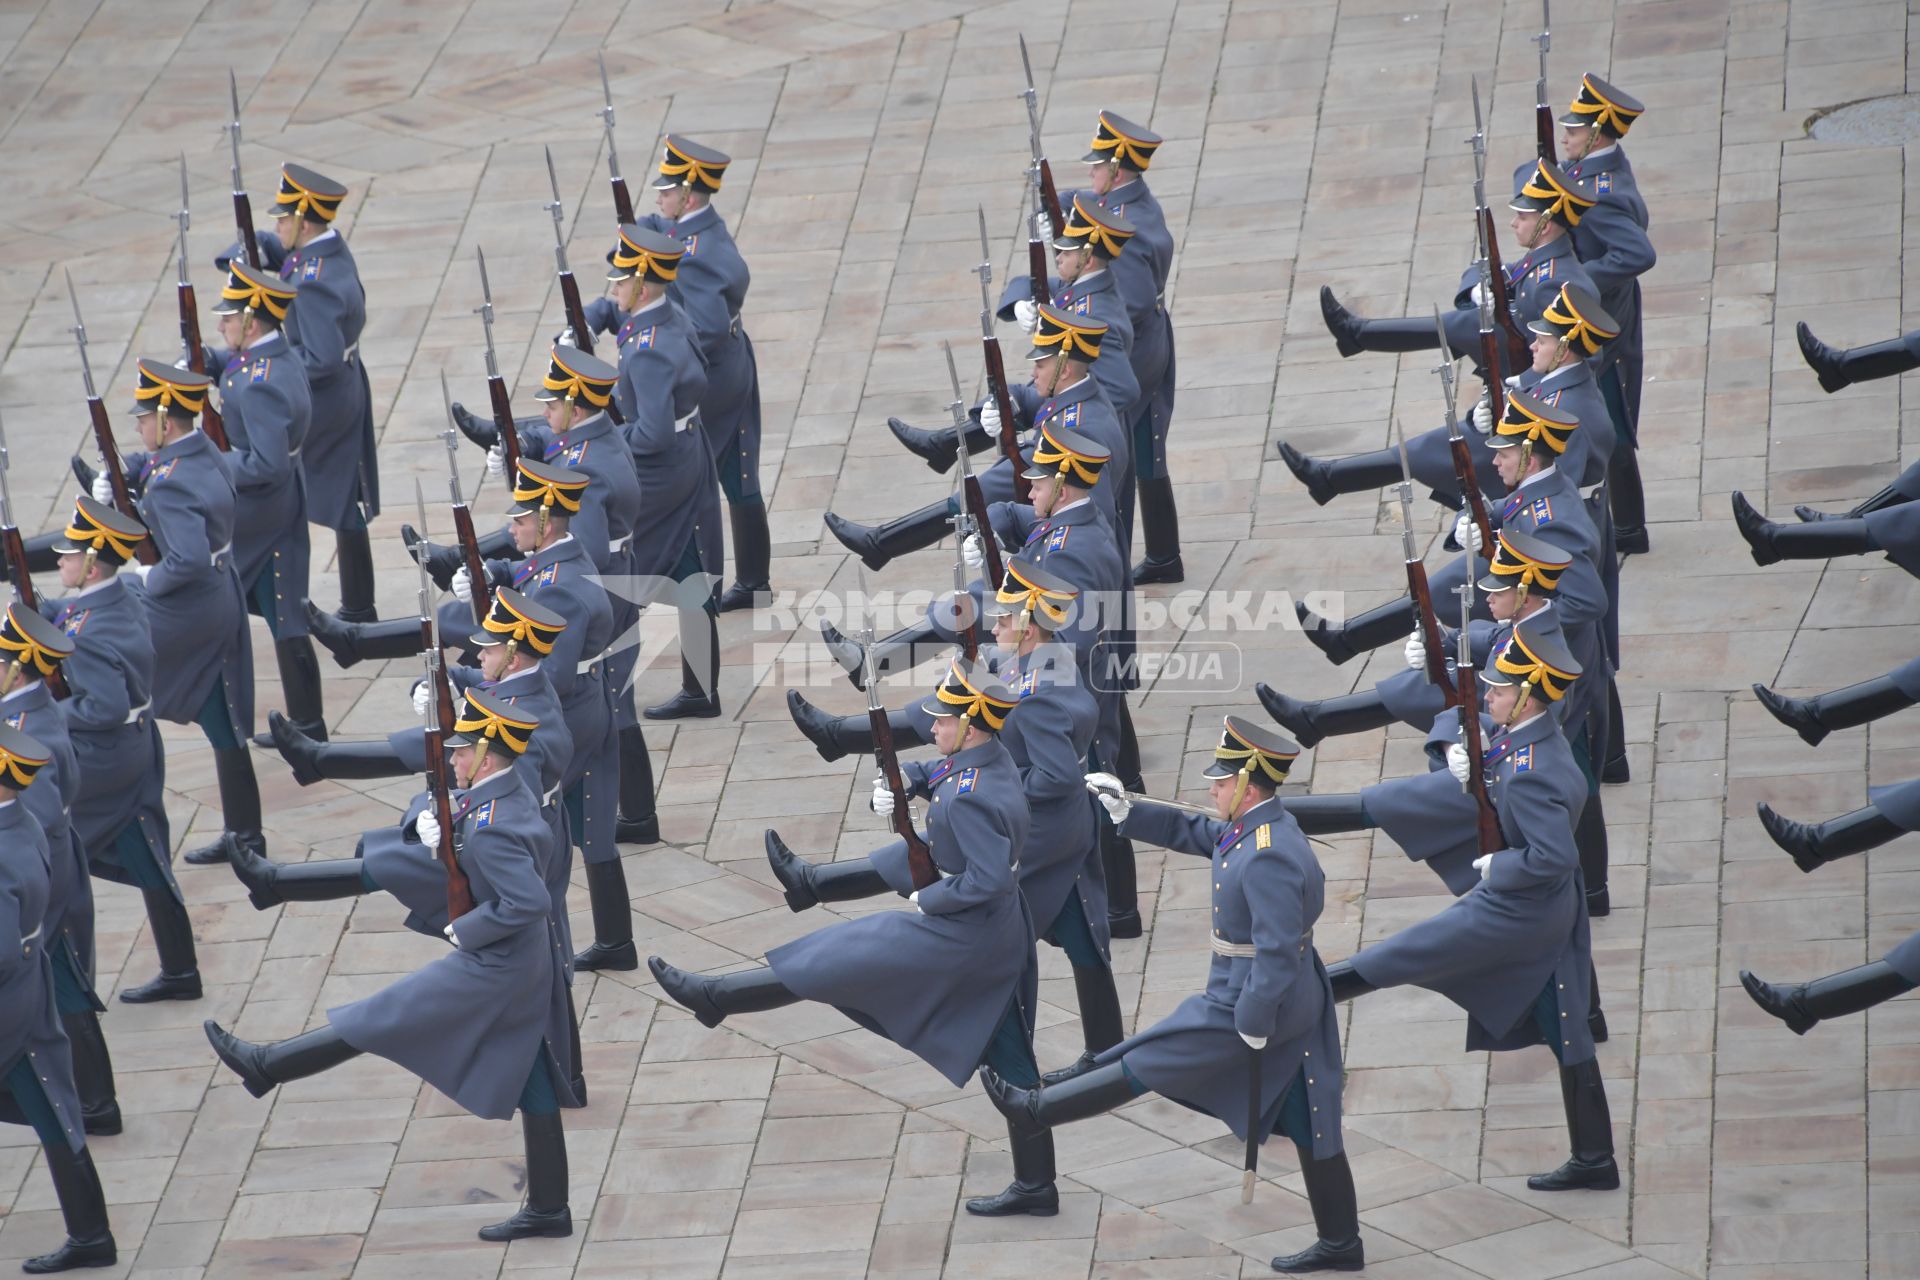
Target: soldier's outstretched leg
[[1590, 1127], [313, 760], [1091, 1093], [1843, 366], [612, 920], [1772, 542], [1327, 480], [936, 445], [545, 1213], [1893, 495], [1369, 630], [1310, 721], [1336, 1219], [354, 642], [713, 1000], [752, 554], [877, 545], [837, 736], [83, 1206], [173, 938], [1346, 980], [354, 552], [1353, 335], [808, 884], [262, 1067], [41, 556], [1801, 1004], [441, 561], [639, 821], [271, 883], [1160, 529], [1816, 717], [1814, 844], [1328, 815], [903, 650], [92, 1072]]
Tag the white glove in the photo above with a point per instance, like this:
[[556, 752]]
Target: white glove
[[1483, 415], [422, 698], [882, 798], [452, 937], [427, 827], [1026, 313], [1117, 807], [1465, 532], [102, 488], [140, 570], [1477, 293], [914, 898], [497, 460], [972, 552], [1416, 652], [1483, 864], [990, 416], [1457, 763], [1513, 382], [1105, 782], [463, 585], [1253, 1042]]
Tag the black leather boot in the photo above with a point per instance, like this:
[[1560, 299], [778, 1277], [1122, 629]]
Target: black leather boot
[[311, 761], [1891, 496], [1336, 1219], [752, 556], [1327, 815], [639, 822], [1346, 981], [902, 651], [355, 642], [1616, 769], [878, 545], [1590, 1126], [1327, 480], [699, 696], [936, 445], [808, 884], [1840, 367], [1352, 335], [480, 430], [1771, 541], [545, 1213], [1367, 631], [262, 1067], [239, 807], [1590, 839], [83, 1204], [1801, 1004], [712, 1000], [1160, 528], [300, 682], [832, 736], [1814, 718], [173, 938], [612, 921], [442, 561], [354, 552], [1629, 500], [92, 1073], [1310, 721], [1814, 844], [1102, 1024], [1034, 1111], [1123, 889], [1032, 1191], [271, 883]]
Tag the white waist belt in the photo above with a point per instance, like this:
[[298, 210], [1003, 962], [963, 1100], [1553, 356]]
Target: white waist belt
[[550, 796], [682, 424], [1232, 950], [620, 544], [133, 716], [32, 936], [1588, 491], [587, 668], [224, 551]]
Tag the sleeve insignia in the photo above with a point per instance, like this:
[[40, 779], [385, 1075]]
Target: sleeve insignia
[[1523, 759], [1263, 838], [259, 373], [310, 269], [966, 781], [1058, 538], [483, 816], [1542, 510]]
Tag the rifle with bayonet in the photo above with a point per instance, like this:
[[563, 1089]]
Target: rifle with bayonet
[[919, 856], [1046, 201], [1463, 471], [1417, 586], [242, 207], [1496, 304], [577, 331], [496, 385], [103, 434], [195, 355], [440, 721], [622, 201], [997, 368], [975, 503], [14, 551], [966, 618], [1467, 698], [463, 518], [1543, 122]]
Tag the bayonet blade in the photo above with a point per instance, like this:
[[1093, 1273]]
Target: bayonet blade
[[1479, 138], [486, 289], [185, 216], [553, 182], [1406, 467], [451, 437], [1026, 65], [959, 404], [1545, 38], [606, 91]]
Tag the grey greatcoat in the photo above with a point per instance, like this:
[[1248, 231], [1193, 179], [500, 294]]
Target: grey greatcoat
[[472, 1022], [49, 799], [29, 1022], [1548, 505], [1571, 388], [265, 403], [339, 460], [1268, 889], [939, 980], [1141, 274], [111, 723], [1523, 929], [1083, 408], [1532, 282], [1613, 245], [195, 606], [1096, 296]]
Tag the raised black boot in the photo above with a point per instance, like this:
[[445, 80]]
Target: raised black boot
[[1336, 1220], [92, 1073], [1327, 480], [902, 651], [1034, 1111], [311, 761], [481, 431], [545, 1213], [1327, 815], [808, 884], [1801, 1004], [1814, 844], [878, 545], [442, 561], [837, 736], [1102, 1024], [752, 556], [271, 883], [173, 938], [262, 1067], [300, 682], [1346, 981], [1352, 335], [612, 920], [354, 551], [1310, 721], [1032, 1191], [239, 807], [639, 821], [936, 445], [1840, 367], [41, 556], [699, 696], [355, 642], [1891, 496], [1590, 840], [1160, 528], [712, 1000], [1772, 542], [1370, 630], [83, 1205], [1857, 704], [1629, 499], [1590, 1126]]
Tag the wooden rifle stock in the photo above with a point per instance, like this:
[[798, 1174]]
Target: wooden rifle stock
[[440, 784], [1429, 627], [1009, 437], [576, 314], [1050, 199], [16, 556], [243, 221], [622, 201], [1519, 349], [1467, 697], [977, 508], [1470, 490], [503, 422], [919, 856], [1037, 272], [1543, 127], [210, 420], [145, 551], [476, 567]]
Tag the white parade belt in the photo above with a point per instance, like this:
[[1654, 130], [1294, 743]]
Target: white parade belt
[[215, 558], [1232, 950], [683, 424], [620, 544], [133, 716]]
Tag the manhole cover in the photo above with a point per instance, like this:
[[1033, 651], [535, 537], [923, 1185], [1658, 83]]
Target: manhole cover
[[1874, 122]]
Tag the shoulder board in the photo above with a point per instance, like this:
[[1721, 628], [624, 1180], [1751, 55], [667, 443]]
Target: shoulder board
[[577, 452], [1025, 687], [693, 245], [310, 269], [259, 373], [19, 721], [1542, 510], [164, 470], [74, 621], [1083, 306], [547, 576], [1058, 538], [643, 339], [966, 781], [1545, 270], [1603, 182], [1070, 416], [483, 816], [1523, 759], [1263, 838]]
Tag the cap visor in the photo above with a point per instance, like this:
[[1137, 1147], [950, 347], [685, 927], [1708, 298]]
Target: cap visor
[[65, 548], [936, 708], [662, 182], [1491, 584], [484, 639]]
